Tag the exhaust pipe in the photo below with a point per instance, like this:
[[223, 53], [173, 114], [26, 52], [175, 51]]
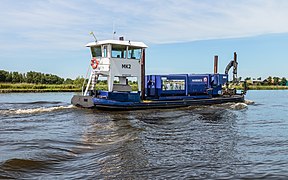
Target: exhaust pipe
[[215, 64]]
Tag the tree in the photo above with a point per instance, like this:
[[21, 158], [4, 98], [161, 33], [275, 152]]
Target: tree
[[3, 75], [276, 80], [283, 81], [16, 77], [79, 81], [102, 82], [269, 79], [68, 81], [37, 77], [9, 77]]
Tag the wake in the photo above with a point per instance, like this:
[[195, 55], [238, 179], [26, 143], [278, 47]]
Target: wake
[[244, 105], [35, 110]]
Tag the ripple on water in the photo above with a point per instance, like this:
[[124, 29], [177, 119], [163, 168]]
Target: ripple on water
[[227, 141]]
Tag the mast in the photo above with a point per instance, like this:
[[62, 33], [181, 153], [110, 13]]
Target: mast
[[143, 75]]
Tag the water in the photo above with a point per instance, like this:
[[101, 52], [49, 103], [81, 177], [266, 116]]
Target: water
[[43, 137]]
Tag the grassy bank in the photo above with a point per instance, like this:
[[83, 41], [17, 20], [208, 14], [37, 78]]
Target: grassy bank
[[267, 87], [25, 87], [259, 87]]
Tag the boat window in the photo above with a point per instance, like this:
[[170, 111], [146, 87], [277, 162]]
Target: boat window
[[96, 51], [105, 51], [119, 51], [134, 53]]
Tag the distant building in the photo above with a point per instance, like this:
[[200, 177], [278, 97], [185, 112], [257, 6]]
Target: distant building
[[257, 81]]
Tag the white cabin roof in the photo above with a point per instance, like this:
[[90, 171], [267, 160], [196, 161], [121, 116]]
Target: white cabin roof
[[118, 42]]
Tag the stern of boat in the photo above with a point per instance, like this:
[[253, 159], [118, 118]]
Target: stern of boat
[[82, 101]]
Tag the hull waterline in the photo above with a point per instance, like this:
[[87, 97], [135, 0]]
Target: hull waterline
[[104, 104]]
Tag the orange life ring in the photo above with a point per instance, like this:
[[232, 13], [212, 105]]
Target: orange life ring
[[94, 63]]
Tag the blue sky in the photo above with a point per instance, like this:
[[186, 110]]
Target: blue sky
[[183, 36]]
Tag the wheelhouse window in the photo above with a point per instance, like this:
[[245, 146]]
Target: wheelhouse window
[[119, 51], [105, 51], [96, 51], [134, 53]]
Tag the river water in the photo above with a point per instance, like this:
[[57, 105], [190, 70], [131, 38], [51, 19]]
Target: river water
[[42, 136]]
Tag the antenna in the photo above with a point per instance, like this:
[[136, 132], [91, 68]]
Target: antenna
[[91, 33], [114, 32]]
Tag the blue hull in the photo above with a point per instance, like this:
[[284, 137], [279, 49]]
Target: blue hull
[[106, 104]]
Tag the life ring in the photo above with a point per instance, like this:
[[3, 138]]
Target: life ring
[[94, 63]]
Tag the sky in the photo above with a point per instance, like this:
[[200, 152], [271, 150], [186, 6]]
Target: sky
[[183, 36]]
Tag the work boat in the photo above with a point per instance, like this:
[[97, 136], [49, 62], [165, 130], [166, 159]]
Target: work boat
[[119, 61]]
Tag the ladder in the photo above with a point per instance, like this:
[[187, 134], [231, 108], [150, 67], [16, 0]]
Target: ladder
[[91, 82]]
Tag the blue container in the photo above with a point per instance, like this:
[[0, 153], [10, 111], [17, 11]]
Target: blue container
[[165, 85], [157, 86]]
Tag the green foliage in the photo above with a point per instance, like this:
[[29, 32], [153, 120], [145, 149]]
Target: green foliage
[[283, 81], [276, 81], [26, 87], [79, 81], [102, 82], [269, 79], [68, 81], [3, 75], [30, 77]]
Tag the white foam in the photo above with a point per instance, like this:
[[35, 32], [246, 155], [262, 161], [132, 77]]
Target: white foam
[[239, 106], [37, 110], [248, 102]]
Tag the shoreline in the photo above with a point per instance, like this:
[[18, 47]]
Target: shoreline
[[41, 88], [3, 91], [262, 87], [26, 87]]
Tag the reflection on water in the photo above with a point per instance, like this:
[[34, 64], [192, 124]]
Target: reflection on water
[[50, 139]]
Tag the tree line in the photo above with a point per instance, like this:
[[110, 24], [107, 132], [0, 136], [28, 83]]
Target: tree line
[[36, 78], [271, 81], [42, 78]]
